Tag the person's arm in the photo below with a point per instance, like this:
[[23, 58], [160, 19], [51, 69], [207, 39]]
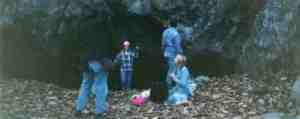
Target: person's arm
[[137, 52], [178, 44], [163, 42], [184, 77], [117, 58]]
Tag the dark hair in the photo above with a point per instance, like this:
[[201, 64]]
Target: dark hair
[[106, 64], [91, 55], [173, 22]]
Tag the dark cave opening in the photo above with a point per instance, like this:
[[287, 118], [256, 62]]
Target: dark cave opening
[[23, 60]]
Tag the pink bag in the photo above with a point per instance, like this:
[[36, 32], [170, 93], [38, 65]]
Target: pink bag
[[137, 100]]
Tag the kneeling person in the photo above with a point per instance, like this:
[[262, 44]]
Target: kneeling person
[[180, 92]]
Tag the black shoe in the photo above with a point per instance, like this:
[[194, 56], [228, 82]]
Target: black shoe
[[78, 114], [98, 116]]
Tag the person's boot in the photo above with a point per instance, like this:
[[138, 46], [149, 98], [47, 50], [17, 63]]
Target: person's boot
[[98, 116]]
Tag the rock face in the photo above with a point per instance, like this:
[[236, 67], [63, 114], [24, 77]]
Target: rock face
[[43, 39], [260, 32], [273, 42], [221, 35]]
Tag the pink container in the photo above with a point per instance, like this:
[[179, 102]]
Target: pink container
[[137, 100]]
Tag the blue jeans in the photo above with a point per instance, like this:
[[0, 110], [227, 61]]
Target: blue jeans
[[171, 69], [126, 79], [99, 88]]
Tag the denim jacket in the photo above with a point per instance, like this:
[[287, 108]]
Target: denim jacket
[[171, 42]]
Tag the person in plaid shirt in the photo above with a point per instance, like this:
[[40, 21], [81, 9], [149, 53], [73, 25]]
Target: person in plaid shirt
[[126, 58]]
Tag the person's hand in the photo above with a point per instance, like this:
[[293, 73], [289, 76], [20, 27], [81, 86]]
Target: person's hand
[[173, 76], [115, 64], [137, 48]]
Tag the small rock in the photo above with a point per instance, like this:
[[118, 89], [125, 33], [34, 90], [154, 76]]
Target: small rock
[[283, 78], [245, 94], [85, 111], [52, 103], [261, 101], [237, 117], [216, 96], [52, 98], [155, 118], [50, 92]]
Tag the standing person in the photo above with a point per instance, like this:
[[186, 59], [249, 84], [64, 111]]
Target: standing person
[[171, 46], [181, 77], [94, 76], [126, 58]]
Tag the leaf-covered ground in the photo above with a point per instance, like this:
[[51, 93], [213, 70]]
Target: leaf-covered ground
[[230, 97]]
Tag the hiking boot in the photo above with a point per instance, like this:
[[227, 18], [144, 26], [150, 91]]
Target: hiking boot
[[99, 116]]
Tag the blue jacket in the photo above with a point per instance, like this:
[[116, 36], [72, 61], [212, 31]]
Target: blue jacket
[[182, 82], [171, 42], [180, 92]]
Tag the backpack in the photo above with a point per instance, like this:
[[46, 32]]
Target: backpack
[[159, 92], [137, 100]]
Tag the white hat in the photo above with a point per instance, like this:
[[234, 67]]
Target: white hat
[[126, 43]]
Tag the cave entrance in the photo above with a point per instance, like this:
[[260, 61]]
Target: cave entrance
[[145, 32], [62, 68], [142, 31], [106, 37]]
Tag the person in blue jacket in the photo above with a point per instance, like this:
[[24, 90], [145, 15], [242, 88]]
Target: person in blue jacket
[[181, 77], [171, 46], [94, 77]]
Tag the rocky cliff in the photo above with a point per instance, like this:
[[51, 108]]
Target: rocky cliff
[[221, 35]]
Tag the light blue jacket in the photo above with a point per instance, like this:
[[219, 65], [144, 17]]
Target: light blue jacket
[[182, 84], [171, 43], [181, 90]]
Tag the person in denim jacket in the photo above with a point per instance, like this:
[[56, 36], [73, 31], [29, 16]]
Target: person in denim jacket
[[94, 77], [171, 46], [181, 77]]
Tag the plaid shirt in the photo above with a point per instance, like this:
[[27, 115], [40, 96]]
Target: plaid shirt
[[126, 59]]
